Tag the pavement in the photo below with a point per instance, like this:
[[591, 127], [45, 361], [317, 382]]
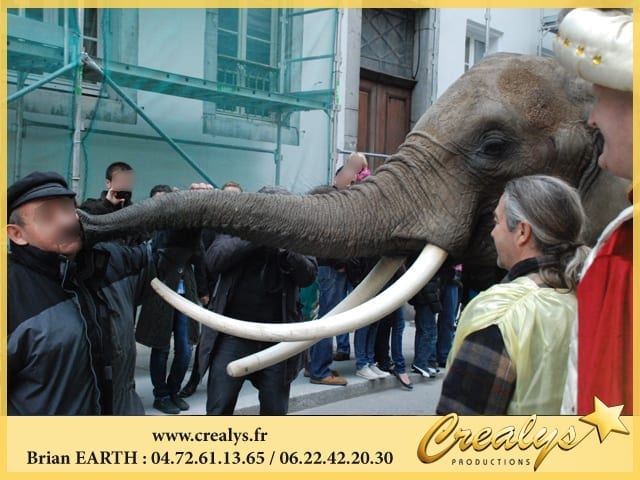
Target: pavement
[[359, 397]]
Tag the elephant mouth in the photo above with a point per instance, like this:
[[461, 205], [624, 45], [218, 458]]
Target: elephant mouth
[[356, 311]]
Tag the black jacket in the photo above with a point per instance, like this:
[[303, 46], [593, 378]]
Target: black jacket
[[155, 322], [61, 314], [430, 293], [227, 257], [102, 206]]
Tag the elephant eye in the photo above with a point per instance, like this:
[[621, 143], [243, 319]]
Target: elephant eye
[[493, 146]]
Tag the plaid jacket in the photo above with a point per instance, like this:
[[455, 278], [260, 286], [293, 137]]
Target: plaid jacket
[[482, 377]]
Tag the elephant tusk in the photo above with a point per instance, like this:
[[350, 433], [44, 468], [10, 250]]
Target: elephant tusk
[[372, 284], [423, 269]]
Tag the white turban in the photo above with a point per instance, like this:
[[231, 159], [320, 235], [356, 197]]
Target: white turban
[[598, 46]]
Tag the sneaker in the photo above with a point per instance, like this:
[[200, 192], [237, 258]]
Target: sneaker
[[386, 368], [425, 373], [341, 356], [381, 374], [366, 372], [179, 402], [329, 380], [434, 366], [165, 405]]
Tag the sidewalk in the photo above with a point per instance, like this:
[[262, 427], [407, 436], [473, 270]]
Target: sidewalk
[[307, 398]]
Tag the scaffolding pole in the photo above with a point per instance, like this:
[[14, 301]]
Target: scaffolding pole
[[22, 76], [89, 62], [277, 154], [41, 82], [76, 150]]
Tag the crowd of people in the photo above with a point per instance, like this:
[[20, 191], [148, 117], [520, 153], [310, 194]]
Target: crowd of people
[[535, 342]]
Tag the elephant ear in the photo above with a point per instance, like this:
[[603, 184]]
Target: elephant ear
[[578, 145]]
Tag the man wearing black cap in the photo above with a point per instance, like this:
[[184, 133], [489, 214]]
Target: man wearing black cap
[[71, 347]]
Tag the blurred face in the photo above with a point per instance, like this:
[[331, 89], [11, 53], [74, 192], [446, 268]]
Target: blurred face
[[345, 178], [231, 188], [506, 242], [49, 224], [121, 181], [356, 163], [612, 114]]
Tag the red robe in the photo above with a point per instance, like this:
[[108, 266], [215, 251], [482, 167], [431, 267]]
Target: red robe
[[605, 325]]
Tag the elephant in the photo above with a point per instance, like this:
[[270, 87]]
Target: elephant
[[508, 116]]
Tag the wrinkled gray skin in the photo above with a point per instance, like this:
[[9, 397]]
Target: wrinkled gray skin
[[508, 116]]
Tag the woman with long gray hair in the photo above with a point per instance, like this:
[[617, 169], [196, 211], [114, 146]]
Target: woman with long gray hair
[[510, 351]]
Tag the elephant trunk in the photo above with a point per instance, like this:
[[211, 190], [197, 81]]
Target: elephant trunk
[[395, 211]]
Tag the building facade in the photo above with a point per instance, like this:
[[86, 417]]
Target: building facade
[[259, 96]]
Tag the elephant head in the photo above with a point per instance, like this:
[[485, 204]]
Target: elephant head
[[508, 116]]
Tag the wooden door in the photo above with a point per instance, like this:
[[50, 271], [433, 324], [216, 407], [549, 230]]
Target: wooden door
[[384, 116]]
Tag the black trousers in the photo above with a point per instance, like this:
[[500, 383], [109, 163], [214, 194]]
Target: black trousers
[[223, 390]]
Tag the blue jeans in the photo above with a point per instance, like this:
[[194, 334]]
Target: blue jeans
[[333, 287], [343, 344], [446, 321], [364, 342], [426, 337], [390, 330], [164, 386]]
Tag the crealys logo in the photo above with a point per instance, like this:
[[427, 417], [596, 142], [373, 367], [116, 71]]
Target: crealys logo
[[446, 434]]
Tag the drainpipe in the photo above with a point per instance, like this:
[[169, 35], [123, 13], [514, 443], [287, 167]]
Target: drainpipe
[[487, 29], [435, 54]]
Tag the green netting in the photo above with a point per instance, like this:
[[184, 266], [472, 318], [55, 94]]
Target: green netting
[[182, 95]]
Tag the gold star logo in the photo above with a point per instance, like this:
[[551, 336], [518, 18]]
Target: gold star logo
[[605, 419]]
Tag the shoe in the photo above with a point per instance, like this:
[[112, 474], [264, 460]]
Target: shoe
[[381, 374], [386, 368], [442, 364], [188, 390], [424, 373], [329, 380], [341, 356], [403, 378], [307, 373], [366, 372], [180, 403], [165, 405], [434, 366]]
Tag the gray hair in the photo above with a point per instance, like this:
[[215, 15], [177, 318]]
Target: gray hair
[[15, 218], [554, 211]]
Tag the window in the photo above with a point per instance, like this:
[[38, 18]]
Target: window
[[57, 15], [248, 51], [90, 29], [474, 51], [257, 49], [53, 97], [38, 14], [475, 45]]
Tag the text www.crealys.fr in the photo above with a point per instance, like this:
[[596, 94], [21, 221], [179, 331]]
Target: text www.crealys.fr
[[224, 436]]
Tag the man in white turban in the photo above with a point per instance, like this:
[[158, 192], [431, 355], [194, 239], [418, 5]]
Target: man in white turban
[[598, 46]]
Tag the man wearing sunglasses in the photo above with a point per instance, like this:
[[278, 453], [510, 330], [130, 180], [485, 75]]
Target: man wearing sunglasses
[[119, 180]]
